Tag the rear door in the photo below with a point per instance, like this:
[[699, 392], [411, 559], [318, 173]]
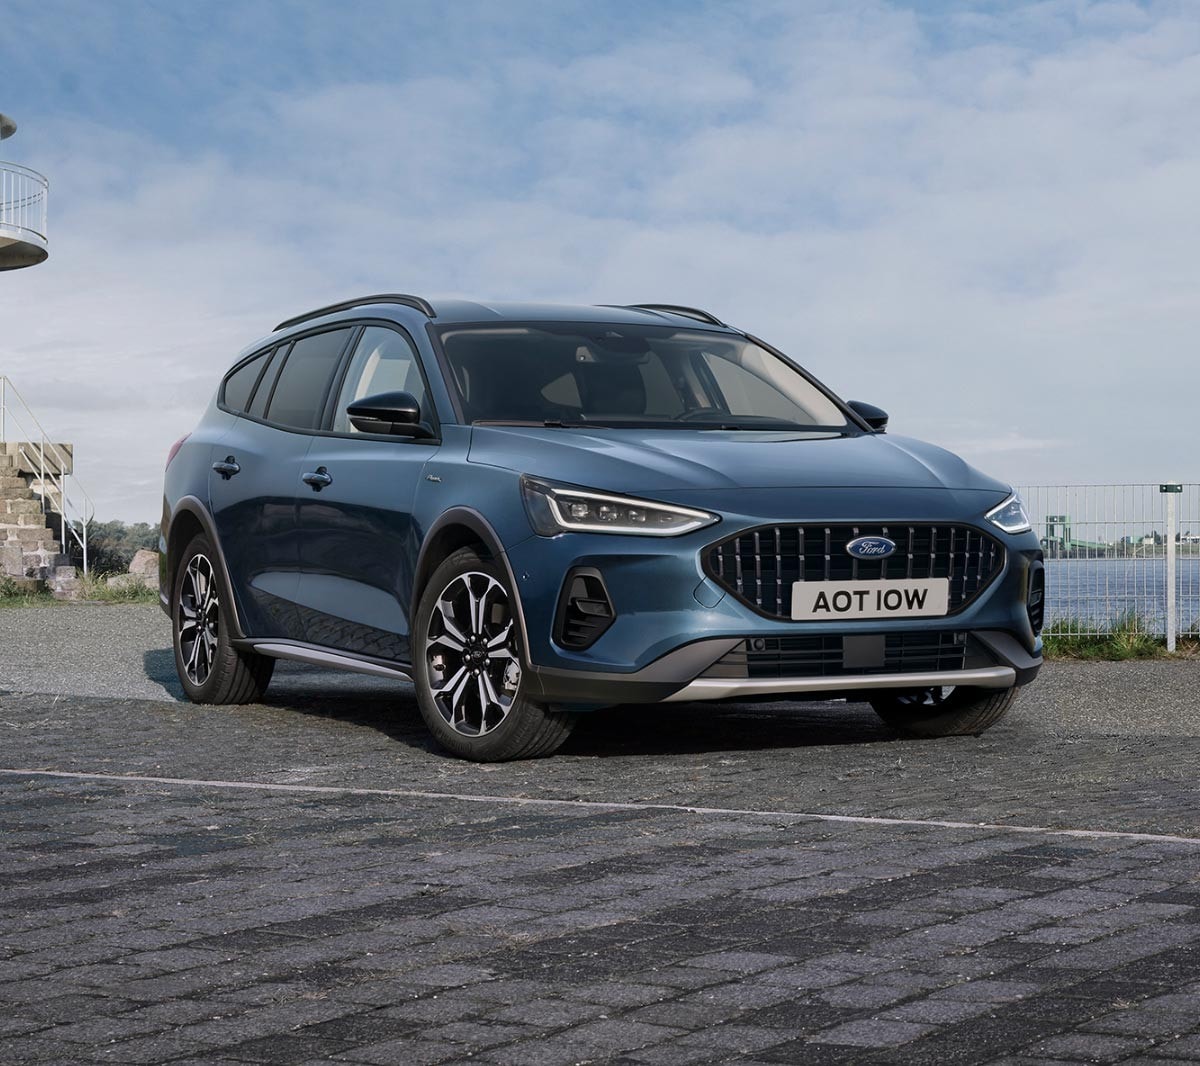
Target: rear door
[[358, 545], [256, 475]]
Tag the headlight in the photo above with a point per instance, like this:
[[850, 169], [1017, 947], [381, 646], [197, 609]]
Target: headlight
[[564, 509], [1010, 516]]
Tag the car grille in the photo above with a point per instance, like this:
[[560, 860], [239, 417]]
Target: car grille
[[826, 656], [759, 565]]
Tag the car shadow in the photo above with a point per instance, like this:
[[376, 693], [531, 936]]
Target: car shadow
[[649, 729], [158, 664], [664, 729]]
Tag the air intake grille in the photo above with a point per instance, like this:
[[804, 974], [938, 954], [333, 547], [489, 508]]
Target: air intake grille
[[760, 565], [1036, 603], [803, 656], [584, 609]]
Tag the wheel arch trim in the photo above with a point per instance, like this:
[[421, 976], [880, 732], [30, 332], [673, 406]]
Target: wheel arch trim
[[470, 519], [194, 507]]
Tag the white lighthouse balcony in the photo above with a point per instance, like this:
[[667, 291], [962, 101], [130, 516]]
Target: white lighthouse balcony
[[23, 194]]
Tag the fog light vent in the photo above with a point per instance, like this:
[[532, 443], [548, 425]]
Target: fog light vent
[[584, 609], [1036, 600]]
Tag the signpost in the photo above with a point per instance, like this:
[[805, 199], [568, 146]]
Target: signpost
[[1171, 490]]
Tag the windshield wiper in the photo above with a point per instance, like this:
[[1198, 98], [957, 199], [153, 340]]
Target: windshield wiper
[[549, 423]]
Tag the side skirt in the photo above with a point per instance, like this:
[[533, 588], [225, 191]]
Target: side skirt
[[315, 655]]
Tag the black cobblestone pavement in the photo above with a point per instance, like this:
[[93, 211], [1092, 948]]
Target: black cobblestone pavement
[[311, 880]]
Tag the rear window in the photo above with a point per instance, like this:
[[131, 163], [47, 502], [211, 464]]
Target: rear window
[[240, 384], [300, 389], [258, 402]]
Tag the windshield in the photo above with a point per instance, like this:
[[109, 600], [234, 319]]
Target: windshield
[[553, 373]]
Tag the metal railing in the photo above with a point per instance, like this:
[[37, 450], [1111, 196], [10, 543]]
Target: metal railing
[[1119, 556], [23, 194], [47, 462]]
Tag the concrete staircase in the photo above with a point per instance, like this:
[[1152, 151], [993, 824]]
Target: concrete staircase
[[30, 554]]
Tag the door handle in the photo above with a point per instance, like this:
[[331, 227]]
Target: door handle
[[227, 467], [318, 479]]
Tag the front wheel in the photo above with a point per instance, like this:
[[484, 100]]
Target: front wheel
[[467, 667], [210, 668], [944, 712]]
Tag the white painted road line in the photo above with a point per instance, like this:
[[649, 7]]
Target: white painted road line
[[524, 801]]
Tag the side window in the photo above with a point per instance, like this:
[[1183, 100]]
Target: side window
[[384, 361], [258, 402], [300, 390], [235, 393]]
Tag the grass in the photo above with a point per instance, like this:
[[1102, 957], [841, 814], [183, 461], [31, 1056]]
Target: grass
[[13, 595], [94, 588], [1127, 638]]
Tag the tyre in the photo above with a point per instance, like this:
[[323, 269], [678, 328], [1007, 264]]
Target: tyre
[[468, 665], [210, 668], [944, 712]]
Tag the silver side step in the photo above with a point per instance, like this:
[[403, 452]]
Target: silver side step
[[720, 688], [319, 657]]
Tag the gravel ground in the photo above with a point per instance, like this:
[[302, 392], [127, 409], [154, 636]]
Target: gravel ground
[[1110, 746], [124, 651]]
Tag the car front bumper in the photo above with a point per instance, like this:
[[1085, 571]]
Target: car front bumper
[[675, 627]]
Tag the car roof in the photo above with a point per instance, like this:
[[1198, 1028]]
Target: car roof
[[403, 308], [453, 310]]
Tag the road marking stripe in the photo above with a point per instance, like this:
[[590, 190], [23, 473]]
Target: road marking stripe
[[606, 805]]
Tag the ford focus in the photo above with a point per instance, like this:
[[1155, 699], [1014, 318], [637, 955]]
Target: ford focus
[[531, 511]]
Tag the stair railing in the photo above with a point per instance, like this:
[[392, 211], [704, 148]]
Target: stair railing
[[37, 453]]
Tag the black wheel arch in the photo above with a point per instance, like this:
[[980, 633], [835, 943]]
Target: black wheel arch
[[463, 527], [190, 518]]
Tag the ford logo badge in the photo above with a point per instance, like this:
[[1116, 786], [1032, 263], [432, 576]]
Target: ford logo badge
[[871, 548]]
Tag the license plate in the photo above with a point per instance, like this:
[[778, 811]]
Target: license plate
[[819, 601]]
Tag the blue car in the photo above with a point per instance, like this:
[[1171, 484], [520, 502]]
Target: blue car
[[532, 511]]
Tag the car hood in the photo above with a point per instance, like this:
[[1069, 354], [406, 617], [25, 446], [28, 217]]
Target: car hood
[[641, 461]]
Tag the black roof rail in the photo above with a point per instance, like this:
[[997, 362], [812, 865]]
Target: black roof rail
[[424, 306], [679, 309]]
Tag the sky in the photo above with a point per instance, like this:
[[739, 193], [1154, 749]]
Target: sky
[[983, 217]]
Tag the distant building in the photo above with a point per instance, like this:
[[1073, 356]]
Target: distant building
[[22, 210]]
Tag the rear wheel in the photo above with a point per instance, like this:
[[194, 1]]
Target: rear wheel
[[944, 712], [467, 667], [210, 668]]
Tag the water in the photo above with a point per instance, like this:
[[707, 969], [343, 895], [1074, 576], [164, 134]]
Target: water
[[1099, 592]]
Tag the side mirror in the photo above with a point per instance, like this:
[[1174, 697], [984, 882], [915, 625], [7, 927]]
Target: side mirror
[[875, 417], [395, 413]]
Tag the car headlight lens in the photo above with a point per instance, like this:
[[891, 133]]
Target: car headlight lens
[[1010, 516], [564, 509]]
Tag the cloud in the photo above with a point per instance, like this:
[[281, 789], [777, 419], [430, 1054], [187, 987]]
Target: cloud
[[981, 220]]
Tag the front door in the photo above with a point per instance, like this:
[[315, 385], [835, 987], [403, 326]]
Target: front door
[[358, 546]]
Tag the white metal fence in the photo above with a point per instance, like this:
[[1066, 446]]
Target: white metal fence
[[23, 194], [1119, 555]]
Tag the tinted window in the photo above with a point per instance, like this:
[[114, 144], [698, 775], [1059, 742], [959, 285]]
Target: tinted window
[[258, 402], [300, 390], [240, 384], [384, 361]]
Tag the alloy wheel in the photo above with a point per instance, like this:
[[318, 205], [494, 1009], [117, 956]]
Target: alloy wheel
[[471, 654], [199, 619]]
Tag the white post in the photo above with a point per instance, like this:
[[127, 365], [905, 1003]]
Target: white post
[[1171, 490], [3, 405]]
